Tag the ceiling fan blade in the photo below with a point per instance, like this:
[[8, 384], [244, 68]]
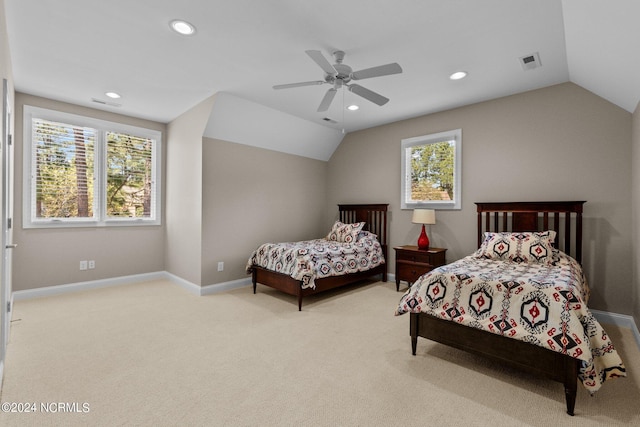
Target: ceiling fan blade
[[368, 94], [290, 85], [319, 59], [380, 70], [328, 98]]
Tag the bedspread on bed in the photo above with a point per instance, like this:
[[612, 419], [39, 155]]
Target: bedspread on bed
[[534, 302], [313, 259]]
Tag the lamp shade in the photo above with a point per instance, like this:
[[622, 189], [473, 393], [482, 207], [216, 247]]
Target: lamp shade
[[424, 216]]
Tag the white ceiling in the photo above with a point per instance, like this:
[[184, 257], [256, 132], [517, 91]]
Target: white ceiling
[[76, 50]]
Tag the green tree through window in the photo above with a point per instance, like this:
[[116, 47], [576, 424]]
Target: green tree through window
[[85, 172], [128, 175], [431, 171], [64, 167]]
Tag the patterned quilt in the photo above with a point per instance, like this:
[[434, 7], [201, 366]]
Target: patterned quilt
[[540, 303], [314, 259]]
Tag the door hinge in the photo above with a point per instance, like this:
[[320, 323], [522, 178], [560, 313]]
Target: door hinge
[[9, 307], [9, 222], [10, 139]]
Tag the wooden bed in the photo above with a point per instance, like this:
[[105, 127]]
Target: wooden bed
[[375, 218], [566, 219]]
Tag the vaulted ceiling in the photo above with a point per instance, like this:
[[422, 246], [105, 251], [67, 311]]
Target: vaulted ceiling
[[76, 50]]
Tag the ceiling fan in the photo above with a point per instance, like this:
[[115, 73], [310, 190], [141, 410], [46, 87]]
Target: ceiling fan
[[339, 75]]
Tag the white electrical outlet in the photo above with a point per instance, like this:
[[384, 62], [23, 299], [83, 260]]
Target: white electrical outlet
[[83, 265], [221, 266], [92, 264]]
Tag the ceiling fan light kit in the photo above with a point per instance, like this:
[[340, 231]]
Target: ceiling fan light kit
[[340, 75]]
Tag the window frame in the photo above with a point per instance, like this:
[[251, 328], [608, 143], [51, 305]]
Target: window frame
[[405, 178], [100, 218]]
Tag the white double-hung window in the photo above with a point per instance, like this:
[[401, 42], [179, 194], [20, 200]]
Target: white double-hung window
[[80, 171]]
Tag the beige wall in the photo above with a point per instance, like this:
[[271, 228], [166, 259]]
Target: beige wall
[[47, 257], [224, 199], [183, 252], [251, 196], [556, 143], [635, 185]]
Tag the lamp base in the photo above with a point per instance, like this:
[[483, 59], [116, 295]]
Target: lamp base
[[423, 240]]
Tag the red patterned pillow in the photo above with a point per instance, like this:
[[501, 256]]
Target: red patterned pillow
[[345, 233], [535, 247]]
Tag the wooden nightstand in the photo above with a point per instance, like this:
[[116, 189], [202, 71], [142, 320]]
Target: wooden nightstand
[[412, 262]]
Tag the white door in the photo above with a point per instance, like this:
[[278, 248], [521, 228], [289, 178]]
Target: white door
[[6, 217]]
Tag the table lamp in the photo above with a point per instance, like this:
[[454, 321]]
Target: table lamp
[[423, 216]]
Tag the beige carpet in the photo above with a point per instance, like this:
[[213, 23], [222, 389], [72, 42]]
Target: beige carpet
[[153, 354]]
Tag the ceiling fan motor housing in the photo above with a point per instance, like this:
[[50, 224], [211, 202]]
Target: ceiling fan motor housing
[[339, 75], [344, 71]]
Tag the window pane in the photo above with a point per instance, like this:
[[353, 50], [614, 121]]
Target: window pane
[[64, 170], [432, 173], [129, 176]]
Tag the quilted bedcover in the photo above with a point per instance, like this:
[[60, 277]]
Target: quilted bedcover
[[313, 259], [540, 303]]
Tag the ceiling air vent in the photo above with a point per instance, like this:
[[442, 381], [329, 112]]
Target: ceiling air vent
[[99, 101], [327, 119], [530, 62]]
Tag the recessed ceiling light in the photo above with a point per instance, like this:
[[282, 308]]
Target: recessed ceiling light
[[113, 95], [458, 75], [182, 27], [353, 107]]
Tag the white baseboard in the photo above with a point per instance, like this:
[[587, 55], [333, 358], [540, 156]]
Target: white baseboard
[[225, 286], [123, 280], [620, 320], [208, 289], [82, 286], [185, 284]]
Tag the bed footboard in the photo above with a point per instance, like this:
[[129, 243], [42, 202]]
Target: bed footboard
[[524, 356]]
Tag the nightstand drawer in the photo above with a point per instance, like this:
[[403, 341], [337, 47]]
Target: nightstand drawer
[[410, 271], [414, 256], [411, 262]]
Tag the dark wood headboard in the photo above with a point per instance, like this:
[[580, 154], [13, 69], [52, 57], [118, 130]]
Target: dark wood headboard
[[374, 215], [565, 218]]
